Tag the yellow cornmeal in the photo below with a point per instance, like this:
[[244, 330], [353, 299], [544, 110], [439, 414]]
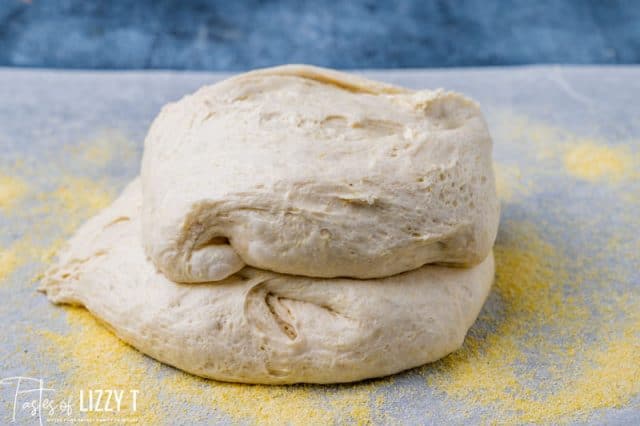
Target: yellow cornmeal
[[276, 405], [25, 250], [78, 195], [9, 261], [582, 157], [65, 208], [488, 371], [22, 251], [585, 346], [93, 358], [592, 161], [106, 147], [509, 182], [539, 140], [12, 189]]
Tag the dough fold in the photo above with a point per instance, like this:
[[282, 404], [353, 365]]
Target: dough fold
[[313, 172], [262, 327]]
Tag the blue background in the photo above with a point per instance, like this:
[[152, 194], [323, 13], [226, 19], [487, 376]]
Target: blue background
[[234, 35]]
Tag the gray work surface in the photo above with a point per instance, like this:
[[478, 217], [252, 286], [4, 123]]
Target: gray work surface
[[558, 339]]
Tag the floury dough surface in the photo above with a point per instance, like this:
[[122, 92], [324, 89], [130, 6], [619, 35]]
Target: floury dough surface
[[313, 172], [262, 327]]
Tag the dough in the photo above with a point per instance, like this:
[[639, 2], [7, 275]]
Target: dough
[[312, 172], [257, 193], [258, 326]]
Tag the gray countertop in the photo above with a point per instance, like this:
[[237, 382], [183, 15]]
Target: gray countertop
[[558, 339]]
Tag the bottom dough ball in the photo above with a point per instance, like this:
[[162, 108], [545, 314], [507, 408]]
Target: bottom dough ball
[[263, 327]]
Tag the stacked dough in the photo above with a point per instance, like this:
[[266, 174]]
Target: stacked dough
[[286, 228]]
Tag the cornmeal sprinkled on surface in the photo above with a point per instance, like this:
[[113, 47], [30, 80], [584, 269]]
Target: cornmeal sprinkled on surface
[[558, 340], [9, 261], [12, 189], [79, 194], [275, 405], [544, 317], [509, 182], [107, 147], [94, 358], [589, 160]]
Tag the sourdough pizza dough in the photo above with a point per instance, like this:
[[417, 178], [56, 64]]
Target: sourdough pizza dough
[[262, 327], [312, 172]]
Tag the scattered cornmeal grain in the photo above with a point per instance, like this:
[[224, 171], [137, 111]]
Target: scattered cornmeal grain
[[591, 161], [509, 182], [558, 341], [275, 405], [12, 189], [105, 147], [8, 262], [81, 195], [572, 378], [93, 358]]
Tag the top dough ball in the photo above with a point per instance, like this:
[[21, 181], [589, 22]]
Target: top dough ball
[[308, 171]]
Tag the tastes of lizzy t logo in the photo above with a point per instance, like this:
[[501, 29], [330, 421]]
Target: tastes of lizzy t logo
[[29, 398]]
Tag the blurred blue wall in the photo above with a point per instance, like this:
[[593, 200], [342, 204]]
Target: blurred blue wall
[[232, 35]]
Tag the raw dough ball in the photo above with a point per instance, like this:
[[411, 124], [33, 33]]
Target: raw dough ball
[[262, 327], [313, 172]]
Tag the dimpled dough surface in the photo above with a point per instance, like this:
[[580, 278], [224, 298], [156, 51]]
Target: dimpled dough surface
[[308, 171], [262, 327]]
